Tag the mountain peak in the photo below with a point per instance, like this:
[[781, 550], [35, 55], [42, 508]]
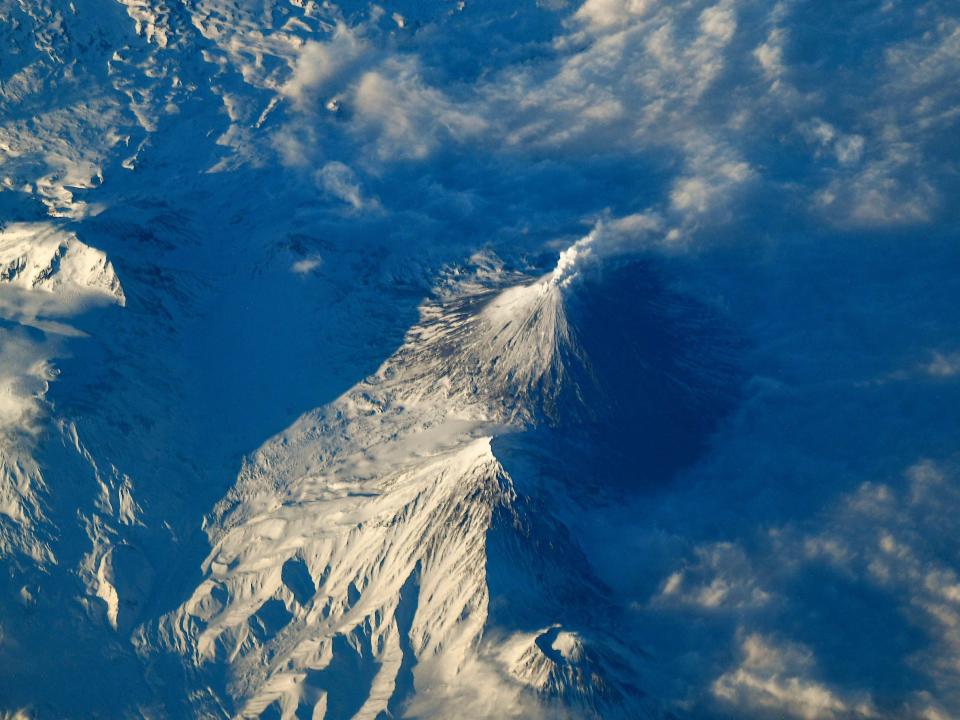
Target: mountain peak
[[507, 354], [42, 257]]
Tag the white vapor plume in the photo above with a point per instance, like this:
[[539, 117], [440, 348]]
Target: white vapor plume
[[608, 237]]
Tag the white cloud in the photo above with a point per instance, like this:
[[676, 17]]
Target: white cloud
[[480, 689], [902, 540], [714, 175], [910, 109], [846, 148], [905, 540], [20, 714], [849, 149], [719, 578], [769, 54], [385, 101], [25, 372], [606, 14], [884, 193], [341, 182], [944, 365], [719, 21], [306, 265], [321, 68], [805, 596], [925, 66], [408, 118], [637, 76], [774, 678]]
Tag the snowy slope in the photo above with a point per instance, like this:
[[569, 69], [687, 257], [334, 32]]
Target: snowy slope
[[39, 257], [351, 564]]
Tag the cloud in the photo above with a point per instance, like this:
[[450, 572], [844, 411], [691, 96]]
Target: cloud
[[605, 14], [386, 104], [21, 714], [923, 66], [407, 117], [882, 555], [720, 577], [340, 181], [910, 109], [644, 78], [905, 541], [719, 21], [944, 365], [848, 149], [885, 193], [25, 372], [323, 69], [480, 689], [644, 75], [769, 55], [716, 90], [306, 265], [773, 680], [710, 187]]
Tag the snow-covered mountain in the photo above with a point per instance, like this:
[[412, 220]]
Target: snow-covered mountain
[[378, 546], [374, 550]]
